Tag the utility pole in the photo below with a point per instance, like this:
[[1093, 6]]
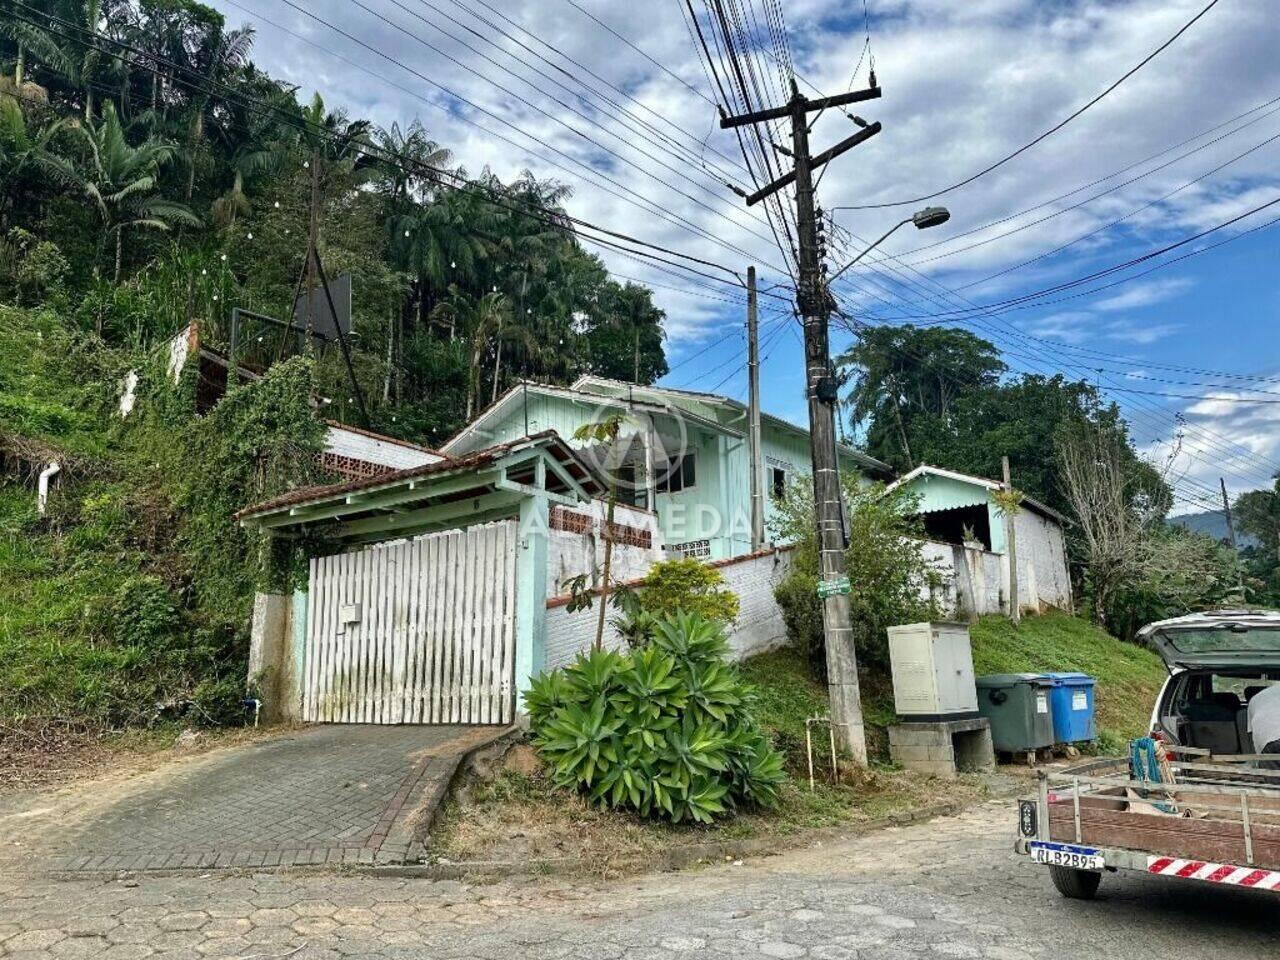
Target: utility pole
[[814, 302], [1011, 546], [1231, 539], [1226, 508], [753, 379]]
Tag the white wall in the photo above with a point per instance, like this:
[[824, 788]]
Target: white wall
[[758, 628], [1043, 579], [360, 446], [571, 554]]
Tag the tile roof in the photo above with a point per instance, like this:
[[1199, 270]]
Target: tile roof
[[471, 461]]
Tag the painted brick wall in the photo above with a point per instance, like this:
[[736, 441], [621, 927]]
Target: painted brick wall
[[758, 628], [571, 553]]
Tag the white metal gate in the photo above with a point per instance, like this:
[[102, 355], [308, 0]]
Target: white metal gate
[[421, 631]]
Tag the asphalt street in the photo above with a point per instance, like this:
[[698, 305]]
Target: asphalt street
[[950, 888]]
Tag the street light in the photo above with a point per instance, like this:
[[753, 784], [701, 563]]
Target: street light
[[923, 219]]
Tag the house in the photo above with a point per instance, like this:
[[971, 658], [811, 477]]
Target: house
[[965, 527], [681, 454], [441, 589]]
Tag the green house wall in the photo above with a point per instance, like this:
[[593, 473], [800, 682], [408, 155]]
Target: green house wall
[[718, 507]]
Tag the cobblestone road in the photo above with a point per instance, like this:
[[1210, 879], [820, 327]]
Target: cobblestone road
[[946, 889]]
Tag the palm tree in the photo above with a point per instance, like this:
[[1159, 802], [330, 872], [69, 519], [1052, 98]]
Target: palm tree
[[484, 320], [23, 149], [121, 181], [221, 54]]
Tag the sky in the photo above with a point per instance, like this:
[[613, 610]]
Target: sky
[[615, 101]]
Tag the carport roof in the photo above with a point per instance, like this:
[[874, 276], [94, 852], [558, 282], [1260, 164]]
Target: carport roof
[[571, 474]]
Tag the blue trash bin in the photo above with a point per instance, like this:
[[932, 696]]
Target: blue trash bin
[[1072, 700]]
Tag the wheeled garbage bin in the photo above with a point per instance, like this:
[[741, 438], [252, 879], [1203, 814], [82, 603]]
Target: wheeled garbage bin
[[1071, 704], [1018, 706]]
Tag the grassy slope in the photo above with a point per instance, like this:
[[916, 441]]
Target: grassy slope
[[1129, 677], [518, 813]]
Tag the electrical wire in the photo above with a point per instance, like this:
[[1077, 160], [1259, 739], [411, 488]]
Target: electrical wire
[[1048, 133]]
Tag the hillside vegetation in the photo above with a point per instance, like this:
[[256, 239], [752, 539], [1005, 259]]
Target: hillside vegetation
[[128, 603], [1129, 676]]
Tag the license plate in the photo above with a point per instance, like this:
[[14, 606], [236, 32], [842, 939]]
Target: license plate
[[1066, 855]]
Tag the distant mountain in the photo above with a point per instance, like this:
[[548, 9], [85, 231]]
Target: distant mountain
[[1212, 523]]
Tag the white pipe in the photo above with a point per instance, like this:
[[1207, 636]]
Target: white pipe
[[42, 490]]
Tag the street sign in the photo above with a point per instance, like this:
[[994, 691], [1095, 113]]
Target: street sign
[[833, 588]]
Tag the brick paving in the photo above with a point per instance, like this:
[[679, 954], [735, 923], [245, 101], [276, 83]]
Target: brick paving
[[323, 795], [947, 889]]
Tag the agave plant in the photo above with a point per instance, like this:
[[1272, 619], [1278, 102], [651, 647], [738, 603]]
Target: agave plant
[[664, 730]]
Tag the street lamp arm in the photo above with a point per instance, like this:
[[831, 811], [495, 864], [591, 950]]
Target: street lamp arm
[[888, 233]]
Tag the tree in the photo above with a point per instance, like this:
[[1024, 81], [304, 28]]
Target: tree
[[1257, 513], [121, 181], [890, 580], [624, 335], [606, 432], [902, 376], [25, 149]]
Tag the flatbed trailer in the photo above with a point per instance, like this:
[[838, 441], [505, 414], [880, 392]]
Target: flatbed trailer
[[1217, 821]]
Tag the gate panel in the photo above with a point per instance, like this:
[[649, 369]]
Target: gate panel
[[421, 631]]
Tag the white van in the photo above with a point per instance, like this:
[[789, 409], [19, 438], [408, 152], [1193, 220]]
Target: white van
[[1218, 662]]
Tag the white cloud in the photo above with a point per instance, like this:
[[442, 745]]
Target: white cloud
[[1145, 294], [964, 84]]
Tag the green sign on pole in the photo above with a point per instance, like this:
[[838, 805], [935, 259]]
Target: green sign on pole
[[833, 588]]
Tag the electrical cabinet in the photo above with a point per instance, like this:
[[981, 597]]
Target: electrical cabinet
[[932, 667]]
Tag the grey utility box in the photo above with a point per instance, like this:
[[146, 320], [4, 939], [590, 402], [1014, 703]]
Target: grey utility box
[[932, 671]]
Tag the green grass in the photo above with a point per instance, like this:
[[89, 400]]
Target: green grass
[[1129, 676]]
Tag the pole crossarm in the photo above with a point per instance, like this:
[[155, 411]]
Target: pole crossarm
[[862, 136], [777, 113]]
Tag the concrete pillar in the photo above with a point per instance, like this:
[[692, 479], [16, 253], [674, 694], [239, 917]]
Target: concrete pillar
[[531, 592], [268, 644]]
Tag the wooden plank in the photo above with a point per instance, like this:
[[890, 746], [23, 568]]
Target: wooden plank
[[374, 652], [399, 632], [443, 603], [328, 641], [413, 634], [345, 641], [506, 675], [308, 652], [346, 661], [382, 664], [462, 633], [475, 623], [484, 626], [431, 586], [457, 631]]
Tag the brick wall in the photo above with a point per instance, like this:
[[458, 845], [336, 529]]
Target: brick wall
[[758, 628], [575, 544]]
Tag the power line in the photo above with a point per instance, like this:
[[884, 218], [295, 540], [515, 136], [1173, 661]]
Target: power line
[[1048, 133]]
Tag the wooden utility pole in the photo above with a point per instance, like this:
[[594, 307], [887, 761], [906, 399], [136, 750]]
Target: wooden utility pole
[[1231, 539], [1011, 545], [814, 302], [753, 379], [1226, 508]]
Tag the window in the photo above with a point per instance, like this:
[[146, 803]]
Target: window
[[693, 549], [778, 483], [681, 474]]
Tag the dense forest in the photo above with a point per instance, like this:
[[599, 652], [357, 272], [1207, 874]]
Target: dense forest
[[151, 174]]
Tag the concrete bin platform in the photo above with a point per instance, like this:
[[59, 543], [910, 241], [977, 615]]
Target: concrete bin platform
[[943, 748]]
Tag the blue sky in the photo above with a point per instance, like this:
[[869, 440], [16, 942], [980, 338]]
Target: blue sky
[[964, 84]]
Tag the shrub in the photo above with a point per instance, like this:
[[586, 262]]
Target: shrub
[[666, 731], [888, 574], [689, 585]]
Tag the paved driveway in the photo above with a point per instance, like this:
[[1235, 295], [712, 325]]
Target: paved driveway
[[950, 888], [329, 794]]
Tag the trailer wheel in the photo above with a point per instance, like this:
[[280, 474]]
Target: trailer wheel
[[1076, 884]]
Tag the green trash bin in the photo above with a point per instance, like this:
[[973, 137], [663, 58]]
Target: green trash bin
[[1020, 710]]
